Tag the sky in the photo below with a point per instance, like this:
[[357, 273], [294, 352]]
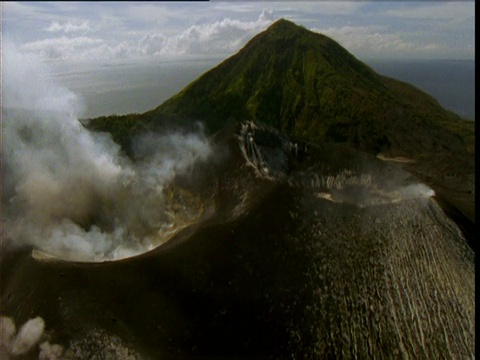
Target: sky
[[72, 33]]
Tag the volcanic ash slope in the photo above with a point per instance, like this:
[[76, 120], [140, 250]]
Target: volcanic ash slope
[[305, 251]]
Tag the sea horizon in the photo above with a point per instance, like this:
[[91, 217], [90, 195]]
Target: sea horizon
[[124, 88]]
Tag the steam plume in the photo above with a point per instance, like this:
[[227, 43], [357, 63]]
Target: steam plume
[[416, 191], [71, 192], [29, 335]]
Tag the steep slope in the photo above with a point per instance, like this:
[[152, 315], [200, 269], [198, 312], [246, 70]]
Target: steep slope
[[310, 88]]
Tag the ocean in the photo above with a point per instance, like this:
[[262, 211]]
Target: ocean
[[130, 88], [136, 88], [450, 82]]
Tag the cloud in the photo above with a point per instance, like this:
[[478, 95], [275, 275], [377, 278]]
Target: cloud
[[68, 27], [62, 47], [436, 11], [267, 15], [368, 41], [149, 31], [220, 37], [152, 44]]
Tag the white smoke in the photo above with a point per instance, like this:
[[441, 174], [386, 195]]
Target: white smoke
[[414, 191], [29, 335], [69, 191], [8, 333], [50, 351], [364, 189]]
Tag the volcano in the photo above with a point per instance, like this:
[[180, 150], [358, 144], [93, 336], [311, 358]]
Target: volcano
[[313, 233]]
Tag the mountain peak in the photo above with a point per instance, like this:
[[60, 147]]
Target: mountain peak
[[279, 77], [285, 30], [282, 23]]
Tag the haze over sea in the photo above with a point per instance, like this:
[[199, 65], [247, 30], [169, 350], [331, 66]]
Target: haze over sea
[[136, 88], [451, 82]]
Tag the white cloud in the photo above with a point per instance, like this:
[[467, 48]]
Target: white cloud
[[62, 47], [220, 37], [267, 15], [152, 44], [374, 41], [144, 31], [68, 26]]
